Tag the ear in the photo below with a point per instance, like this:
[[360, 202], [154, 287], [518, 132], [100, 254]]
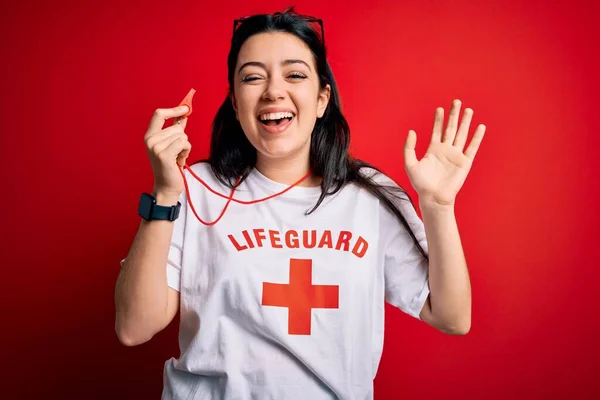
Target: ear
[[323, 100]]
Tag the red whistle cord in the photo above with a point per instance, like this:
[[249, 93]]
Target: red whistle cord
[[187, 101], [230, 197]]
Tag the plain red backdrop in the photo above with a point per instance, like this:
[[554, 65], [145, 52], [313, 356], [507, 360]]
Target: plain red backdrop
[[80, 81]]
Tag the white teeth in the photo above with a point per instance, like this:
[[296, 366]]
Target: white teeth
[[279, 115]]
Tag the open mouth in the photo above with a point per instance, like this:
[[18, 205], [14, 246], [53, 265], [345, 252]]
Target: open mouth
[[275, 122], [275, 119]]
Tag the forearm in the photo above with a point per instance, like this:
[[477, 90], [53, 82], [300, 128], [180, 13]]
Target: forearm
[[141, 292], [450, 296]]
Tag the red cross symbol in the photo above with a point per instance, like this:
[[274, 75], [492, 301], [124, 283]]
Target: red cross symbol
[[300, 296]]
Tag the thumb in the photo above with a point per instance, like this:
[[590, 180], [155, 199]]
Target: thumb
[[410, 157], [184, 153]]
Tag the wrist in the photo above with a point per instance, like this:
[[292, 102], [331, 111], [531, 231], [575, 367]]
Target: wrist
[[432, 207], [165, 198]]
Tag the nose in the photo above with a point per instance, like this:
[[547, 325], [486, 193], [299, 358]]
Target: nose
[[274, 90]]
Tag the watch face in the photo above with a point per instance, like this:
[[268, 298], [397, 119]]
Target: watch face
[[145, 207]]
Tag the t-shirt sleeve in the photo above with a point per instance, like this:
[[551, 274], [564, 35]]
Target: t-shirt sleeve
[[406, 270], [175, 256]]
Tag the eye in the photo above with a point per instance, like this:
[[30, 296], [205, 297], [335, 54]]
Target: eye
[[297, 75], [250, 78]]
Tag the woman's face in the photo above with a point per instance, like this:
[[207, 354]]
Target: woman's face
[[277, 95]]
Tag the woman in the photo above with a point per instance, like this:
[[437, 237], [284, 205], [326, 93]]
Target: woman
[[281, 279]]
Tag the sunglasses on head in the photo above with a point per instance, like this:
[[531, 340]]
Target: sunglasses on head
[[307, 18]]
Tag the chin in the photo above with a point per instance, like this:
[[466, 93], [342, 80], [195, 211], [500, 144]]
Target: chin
[[280, 150], [279, 146]]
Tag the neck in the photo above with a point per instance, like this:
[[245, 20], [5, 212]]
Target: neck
[[287, 171]]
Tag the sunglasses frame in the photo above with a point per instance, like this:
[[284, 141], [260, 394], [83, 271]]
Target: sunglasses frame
[[307, 18]]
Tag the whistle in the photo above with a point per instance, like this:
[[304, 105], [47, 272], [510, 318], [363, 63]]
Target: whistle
[[187, 101]]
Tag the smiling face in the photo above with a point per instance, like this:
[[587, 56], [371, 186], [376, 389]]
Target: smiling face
[[277, 95]]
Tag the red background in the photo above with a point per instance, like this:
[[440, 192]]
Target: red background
[[80, 81]]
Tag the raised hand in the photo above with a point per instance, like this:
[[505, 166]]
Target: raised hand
[[440, 174], [168, 149]]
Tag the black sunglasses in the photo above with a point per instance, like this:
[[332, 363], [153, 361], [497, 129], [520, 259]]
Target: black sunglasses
[[306, 18]]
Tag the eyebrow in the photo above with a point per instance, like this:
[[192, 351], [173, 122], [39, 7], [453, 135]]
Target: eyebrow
[[261, 65]]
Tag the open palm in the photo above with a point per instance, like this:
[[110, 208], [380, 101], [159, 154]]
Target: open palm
[[442, 171]]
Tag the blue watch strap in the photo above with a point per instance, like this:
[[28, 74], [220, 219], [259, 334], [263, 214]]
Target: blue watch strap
[[149, 210]]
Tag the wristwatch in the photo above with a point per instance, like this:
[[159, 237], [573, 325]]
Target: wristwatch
[[149, 210]]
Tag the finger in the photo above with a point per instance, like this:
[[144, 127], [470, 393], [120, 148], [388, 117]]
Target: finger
[[410, 156], [463, 131], [162, 114], [452, 122], [438, 124], [162, 145], [475, 142], [154, 137], [178, 150], [185, 152]]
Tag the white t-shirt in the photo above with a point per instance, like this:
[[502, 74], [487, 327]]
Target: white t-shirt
[[277, 304]]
